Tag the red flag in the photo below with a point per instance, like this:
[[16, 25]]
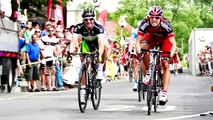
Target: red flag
[[49, 7], [58, 14], [102, 16]]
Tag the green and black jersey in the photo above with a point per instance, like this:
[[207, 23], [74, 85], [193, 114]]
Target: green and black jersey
[[89, 38]]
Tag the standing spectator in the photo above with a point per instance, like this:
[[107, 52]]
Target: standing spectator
[[59, 52], [71, 29], [49, 51], [36, 24], [59, 25], [32, 54], [29, 32], [52, 20], [44, 32]]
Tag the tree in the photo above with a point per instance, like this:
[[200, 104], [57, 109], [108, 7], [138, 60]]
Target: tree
[[183, 15], [37, 7]]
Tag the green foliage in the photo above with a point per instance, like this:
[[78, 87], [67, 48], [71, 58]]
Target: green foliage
[[36, 7], [85, 5], [184, 15]]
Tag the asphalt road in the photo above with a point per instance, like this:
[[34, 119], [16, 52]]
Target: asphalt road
[[189, 96]]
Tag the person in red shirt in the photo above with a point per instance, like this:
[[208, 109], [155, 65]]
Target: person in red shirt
[[175, 61], [154, 30]]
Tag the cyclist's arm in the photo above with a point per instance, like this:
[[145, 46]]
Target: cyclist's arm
[[174, 45], [101, 44], [138, 43]]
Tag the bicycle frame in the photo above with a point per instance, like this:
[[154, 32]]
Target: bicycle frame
[[155, 79]]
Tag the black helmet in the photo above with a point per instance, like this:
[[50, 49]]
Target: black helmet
[[89, 12]]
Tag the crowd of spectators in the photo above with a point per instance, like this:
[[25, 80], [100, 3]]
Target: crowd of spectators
[[205, 60], [49, 64], [53, 42]]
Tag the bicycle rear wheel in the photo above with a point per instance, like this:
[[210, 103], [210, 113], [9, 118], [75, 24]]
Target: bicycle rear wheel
[[96, 93], [82, 97], [130, 72]]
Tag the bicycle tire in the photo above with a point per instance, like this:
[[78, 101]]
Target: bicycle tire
[[151, 89], [149, 100], [82, 106], [140, 90], [96, 93], [130, 72]]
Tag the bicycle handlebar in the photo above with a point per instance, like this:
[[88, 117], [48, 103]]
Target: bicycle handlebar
[[155, 51]]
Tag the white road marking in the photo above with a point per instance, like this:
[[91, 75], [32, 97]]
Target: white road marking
[[161, 108], [118, 108], [182, 117]]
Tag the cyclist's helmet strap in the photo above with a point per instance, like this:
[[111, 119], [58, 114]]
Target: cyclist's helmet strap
[[89, 12], [155, 11]]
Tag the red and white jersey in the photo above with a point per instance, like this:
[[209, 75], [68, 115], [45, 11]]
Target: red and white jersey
[[163, 31]]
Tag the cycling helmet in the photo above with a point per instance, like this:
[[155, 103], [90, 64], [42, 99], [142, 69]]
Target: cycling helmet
[[89, 12], [155, 11]]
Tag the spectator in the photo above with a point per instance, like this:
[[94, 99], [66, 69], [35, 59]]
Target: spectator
[[29, 32], [32, 54], [49, 41], [45, 30]]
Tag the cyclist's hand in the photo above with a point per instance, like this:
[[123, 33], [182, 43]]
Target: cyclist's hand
[[99, 59]]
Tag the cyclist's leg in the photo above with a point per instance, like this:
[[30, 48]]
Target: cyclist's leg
[[165, 47], [147, 43], [102, 54]]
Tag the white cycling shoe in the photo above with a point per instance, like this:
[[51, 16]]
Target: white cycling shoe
[[163, 98], [135, 86]]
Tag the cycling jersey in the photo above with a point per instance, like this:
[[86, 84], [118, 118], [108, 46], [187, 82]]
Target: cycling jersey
[[156, 35], [89, 37], [163, 31]]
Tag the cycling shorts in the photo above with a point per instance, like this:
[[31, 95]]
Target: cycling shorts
[[154, 40]]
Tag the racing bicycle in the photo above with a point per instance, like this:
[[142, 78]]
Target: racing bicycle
[[87, 81]]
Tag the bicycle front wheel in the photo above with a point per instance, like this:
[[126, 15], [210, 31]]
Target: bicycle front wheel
[[140, 90], [149, 100], [83, 92], [96, 93]]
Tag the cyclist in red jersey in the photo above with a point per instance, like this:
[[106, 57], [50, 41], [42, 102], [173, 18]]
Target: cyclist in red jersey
[[154, 30]]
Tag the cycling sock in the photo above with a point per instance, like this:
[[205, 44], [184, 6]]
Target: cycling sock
[[83, 86], [100, 66]]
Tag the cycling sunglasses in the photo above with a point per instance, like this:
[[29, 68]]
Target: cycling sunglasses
[[89, 19], [156, 17]]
